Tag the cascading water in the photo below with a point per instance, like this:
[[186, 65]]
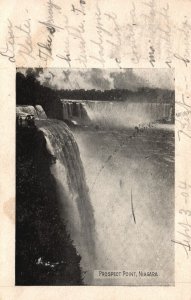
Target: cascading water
[[115, 114], [75, 204], [74, 110], [125, 114], [118, 242], [71, 189]]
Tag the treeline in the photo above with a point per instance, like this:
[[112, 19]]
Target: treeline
[[150, 95], [30, 92]]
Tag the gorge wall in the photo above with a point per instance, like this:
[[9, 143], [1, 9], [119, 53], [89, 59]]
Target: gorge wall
[[55, 223]]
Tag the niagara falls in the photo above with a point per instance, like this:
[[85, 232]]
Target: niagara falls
[[94, 176]]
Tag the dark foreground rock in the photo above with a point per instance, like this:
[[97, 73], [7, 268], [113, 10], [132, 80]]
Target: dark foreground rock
[[45, 254]]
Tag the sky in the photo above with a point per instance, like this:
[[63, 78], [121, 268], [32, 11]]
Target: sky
[[104, 79]]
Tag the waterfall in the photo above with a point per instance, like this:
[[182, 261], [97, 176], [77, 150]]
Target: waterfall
[[114, 114], [74, 110], [67, 169], [98, 243], [125, 114]]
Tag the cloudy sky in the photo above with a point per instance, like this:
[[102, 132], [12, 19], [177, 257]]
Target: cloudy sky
[[102, 79]]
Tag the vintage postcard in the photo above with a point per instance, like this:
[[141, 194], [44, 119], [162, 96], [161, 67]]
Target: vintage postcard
[[95, 149], [95, 176]]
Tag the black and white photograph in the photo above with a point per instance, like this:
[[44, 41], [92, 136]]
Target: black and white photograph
[[95, 155]]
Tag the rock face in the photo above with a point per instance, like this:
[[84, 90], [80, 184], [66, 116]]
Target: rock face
[[55, 222], [45, 253]]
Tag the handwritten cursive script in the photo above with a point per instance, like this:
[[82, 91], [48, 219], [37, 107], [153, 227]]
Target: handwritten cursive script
[[9, 50]]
